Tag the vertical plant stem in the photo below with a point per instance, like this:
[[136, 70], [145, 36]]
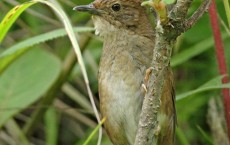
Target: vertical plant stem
[[221, 61]]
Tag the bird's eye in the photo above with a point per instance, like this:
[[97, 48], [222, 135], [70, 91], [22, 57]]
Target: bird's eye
[[116, 7]]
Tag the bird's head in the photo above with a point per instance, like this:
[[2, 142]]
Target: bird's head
[[113, 15]]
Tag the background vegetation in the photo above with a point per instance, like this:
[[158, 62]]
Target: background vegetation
[[43, 96]]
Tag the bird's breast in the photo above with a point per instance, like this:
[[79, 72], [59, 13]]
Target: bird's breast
[[121, 94], [123, 63], [120, 100]]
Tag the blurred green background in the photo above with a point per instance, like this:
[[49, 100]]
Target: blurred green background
[[49, 70]]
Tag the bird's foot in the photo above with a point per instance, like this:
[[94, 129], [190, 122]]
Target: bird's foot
[[146, 79]]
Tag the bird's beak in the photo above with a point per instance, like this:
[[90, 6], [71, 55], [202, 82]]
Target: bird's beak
[[88, 8]]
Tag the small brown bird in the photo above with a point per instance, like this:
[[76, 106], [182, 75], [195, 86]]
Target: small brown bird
[[127, 54]]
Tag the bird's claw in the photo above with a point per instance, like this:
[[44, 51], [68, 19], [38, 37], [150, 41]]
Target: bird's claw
[[144, 87], [147, 75], [146, 79]]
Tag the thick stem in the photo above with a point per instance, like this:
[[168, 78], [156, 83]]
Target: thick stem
[[166, 34], [148, 127], [221, 61]]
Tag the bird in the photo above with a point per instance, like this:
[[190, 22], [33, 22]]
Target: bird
[[128, 45]]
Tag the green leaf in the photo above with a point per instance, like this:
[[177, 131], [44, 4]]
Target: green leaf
[[25, 81], [18, 49], [215, 83], [11, 17], [193, 51], [71, 35]]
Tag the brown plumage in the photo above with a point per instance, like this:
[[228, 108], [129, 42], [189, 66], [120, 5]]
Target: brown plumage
[[127, 53]]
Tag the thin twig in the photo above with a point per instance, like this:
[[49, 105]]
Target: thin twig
[[197, 15], [179, 11]]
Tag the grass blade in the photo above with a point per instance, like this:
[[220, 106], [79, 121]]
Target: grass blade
[[12, 53], [11, 17], [210, 85], [94, 132]]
